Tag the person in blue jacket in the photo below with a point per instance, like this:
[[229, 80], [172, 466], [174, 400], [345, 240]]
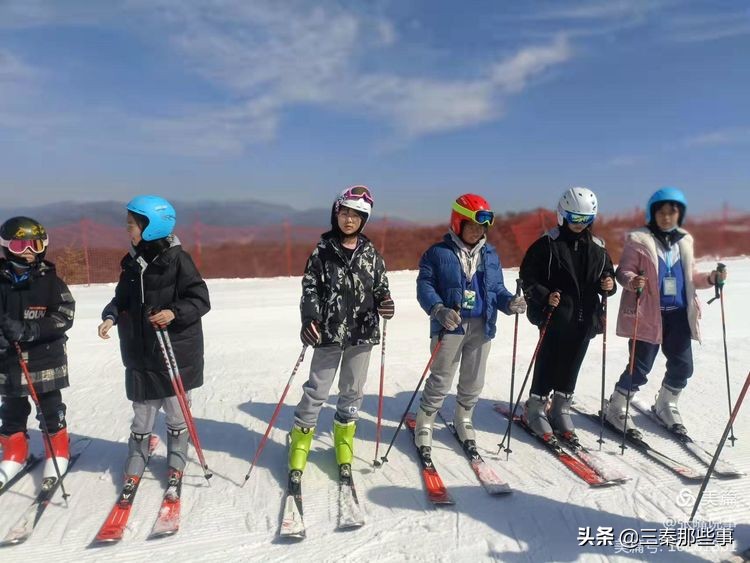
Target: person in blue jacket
[[460, 285]]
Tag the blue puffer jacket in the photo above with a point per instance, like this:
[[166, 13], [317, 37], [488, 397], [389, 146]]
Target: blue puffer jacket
[[441, 280]]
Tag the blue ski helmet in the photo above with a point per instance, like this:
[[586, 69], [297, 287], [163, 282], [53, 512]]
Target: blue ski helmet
[[662, 195], [158, 211]]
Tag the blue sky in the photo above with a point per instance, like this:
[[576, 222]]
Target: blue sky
[[288, 102]]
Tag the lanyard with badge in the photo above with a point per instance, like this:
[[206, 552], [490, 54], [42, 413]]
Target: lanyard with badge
[[669, 285]]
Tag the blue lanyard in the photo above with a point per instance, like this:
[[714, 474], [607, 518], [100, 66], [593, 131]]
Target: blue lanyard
[[669, 262]]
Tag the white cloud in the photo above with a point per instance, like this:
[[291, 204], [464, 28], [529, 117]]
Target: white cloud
[[708, 26], [597, 10], [729, 136], [514, 73], [268, 57], [276, 56]]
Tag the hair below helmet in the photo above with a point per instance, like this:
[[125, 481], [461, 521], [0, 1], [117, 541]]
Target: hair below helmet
[[23, 228], [577, 202], [470, 202], [664, 195], [159, 213]]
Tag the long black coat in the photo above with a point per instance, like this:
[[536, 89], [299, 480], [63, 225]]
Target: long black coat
[[45, 300], [170, 281], [548, 265], [342, 295]]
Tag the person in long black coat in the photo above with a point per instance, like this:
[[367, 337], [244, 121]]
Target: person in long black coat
[[159, 286], [566, 272]]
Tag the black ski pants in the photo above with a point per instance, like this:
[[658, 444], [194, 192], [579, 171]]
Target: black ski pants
[[559, 360], [15, 411]]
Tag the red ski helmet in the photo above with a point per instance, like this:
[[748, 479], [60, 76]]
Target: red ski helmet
[[471, 207]]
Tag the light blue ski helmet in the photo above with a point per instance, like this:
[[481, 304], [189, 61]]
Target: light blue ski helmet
[[159, 212], [667, 193]]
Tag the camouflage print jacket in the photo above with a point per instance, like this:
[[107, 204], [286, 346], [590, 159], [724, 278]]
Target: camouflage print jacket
[[342, 295]]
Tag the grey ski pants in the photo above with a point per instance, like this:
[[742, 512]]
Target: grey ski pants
[[466, 352], [145, 414], [144, 417], [354, 361]]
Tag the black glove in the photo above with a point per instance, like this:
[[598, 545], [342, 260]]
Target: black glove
[[387, 308], [18, 331], [4, 344], [310, 334]]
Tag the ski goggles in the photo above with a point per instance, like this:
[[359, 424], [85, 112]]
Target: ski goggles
[[358, 192], [578, 218], [19, 246], [482, 216]]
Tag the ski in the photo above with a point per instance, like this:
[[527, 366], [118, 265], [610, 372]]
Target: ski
[[114, 526], [30, 464], [491, 481], [436, 491], [575, 464], [25, 525], [595, 461], [168, 521], [635, 439], [350, 513], [723, 468], [292, 525]]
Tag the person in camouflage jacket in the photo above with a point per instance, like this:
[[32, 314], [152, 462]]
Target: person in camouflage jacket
[[344, 294]]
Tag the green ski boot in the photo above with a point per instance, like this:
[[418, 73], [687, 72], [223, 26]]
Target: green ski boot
[[300, 440], [343, 440]]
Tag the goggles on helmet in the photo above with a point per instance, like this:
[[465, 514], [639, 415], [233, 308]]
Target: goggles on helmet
[[19, 246], [482, 216], [578, 218], [358, 192]]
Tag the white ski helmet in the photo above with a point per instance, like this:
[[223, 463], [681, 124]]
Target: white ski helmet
[[577, 205]]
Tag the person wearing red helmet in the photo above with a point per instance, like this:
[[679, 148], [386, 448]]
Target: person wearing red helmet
[[460, 285]]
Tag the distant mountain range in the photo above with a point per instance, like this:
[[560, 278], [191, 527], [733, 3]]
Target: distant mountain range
[[218, 213]]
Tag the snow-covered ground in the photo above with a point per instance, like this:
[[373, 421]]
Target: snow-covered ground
[[251, 345]]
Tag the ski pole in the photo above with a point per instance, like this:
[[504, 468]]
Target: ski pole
[[719, 289], [631, 368], [604, 370], [513, 362], [542, 332], [174, 376], [275, 413], [40, 416], [419, 385], [732, 417], [375, 462]]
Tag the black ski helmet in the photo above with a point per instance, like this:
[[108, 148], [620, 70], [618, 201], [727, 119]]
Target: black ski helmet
[[20, 229]]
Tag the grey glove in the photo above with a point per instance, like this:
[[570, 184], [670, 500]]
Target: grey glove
[[449, 318], [517, 305]]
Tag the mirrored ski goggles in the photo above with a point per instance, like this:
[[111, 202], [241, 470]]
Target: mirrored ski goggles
[[482, 217], [578, 218], [358, 192], [19, 246]]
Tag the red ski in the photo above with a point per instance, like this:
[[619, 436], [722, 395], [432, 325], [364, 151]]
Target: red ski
[[576, 465], [114, 526], [436, 491], [168, 521]]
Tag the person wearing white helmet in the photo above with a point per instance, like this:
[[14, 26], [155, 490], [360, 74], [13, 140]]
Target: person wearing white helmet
[[344, 295], [567, 269]]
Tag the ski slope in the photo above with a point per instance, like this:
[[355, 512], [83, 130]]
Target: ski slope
[[251, 345]]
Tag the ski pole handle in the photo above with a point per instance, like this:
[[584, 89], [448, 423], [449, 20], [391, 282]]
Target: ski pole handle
[[518, 287], [639, 291]]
